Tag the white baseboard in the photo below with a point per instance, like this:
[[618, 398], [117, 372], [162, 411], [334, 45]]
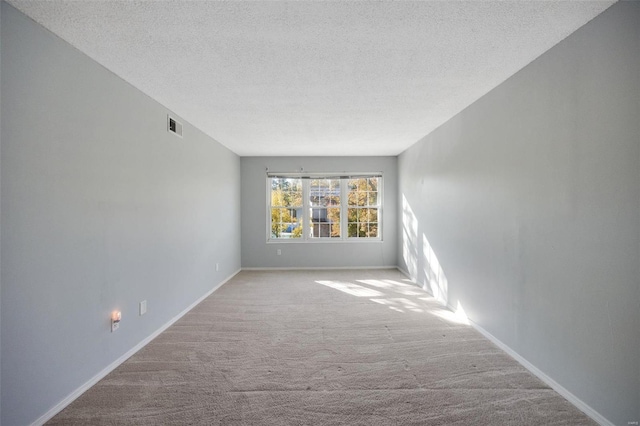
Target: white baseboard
[[405, 273], [577, 402], [108, 369], [317, 268], [581, 405]]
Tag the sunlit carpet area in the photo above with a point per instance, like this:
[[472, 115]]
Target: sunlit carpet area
[[360, 347]]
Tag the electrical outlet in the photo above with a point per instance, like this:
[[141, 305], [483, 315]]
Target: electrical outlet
[[279, 252], [217, 266], [143, 307]]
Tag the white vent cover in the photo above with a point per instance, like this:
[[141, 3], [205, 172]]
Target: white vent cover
[[174, 126]]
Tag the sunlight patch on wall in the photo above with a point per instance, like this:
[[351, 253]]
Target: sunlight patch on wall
[[409, 238], [436, 281]]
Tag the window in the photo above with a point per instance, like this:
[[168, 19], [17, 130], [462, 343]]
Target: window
[[286, 208], [324, 201], [363, 207], [317, 207]]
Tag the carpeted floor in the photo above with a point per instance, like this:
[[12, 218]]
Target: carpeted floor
[[320, 348]]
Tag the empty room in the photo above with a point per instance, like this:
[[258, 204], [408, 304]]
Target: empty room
[[319, 213]]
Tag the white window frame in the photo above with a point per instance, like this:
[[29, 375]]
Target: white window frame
[[306, 206]]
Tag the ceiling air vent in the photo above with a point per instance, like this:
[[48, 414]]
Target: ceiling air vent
[[174, 126]]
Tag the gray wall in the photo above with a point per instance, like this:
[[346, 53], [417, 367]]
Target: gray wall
[[0, 216], [257, 253], [101, 208], [524, 210]]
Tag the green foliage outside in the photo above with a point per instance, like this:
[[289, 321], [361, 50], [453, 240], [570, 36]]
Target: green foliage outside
[[362, 213], [286, 198]]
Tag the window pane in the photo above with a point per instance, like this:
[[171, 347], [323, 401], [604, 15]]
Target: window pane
[[284, 224], [362, 222], [362, 219], [325, 222], [373, 184], [354, 185], [372, 215], [315, 193], [324, 192], [286, 208], [352, 230], [333, 214], [363, 192], [352, 215], [324, 200], [286, 192]]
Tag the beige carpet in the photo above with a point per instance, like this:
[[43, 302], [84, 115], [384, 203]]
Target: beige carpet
[[320, 348]]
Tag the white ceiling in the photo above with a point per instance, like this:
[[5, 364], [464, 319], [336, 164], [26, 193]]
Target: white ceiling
[[313, 78]]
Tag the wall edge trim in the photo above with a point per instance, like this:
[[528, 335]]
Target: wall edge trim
[[115, 364], [315, 268]]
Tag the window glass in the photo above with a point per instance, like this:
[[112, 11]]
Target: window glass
[[363, 208], [324, 201], [324, 208], [286, 208]]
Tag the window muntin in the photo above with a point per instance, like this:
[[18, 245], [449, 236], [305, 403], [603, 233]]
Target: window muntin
[[324, 208]]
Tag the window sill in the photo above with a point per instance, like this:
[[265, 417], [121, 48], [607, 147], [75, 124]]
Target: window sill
[[324, 241]]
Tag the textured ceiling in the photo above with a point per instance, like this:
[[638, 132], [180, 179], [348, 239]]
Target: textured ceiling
[[313, 78]]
